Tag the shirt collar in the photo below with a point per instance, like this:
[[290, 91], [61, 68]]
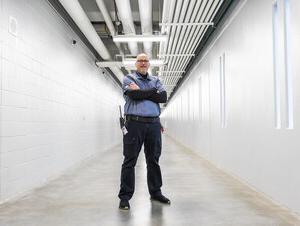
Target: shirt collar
[[140, 76]]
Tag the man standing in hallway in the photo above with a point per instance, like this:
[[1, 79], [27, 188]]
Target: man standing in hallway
[[142, 94]]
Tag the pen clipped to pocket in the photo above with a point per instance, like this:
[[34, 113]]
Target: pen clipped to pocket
[[122, 122]]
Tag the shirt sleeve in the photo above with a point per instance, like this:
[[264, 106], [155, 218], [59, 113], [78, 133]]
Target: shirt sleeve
[[126, 82], [158, 97]]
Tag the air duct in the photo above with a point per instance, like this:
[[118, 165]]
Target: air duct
[[75, 10], [108, 20], [126, 18], [145, 8]]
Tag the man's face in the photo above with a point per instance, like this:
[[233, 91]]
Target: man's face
[[142, 63]]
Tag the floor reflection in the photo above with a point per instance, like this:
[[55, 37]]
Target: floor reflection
[[125, 217], [156, 216]]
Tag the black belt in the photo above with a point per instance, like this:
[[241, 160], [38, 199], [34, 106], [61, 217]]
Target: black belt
[[141, 119]]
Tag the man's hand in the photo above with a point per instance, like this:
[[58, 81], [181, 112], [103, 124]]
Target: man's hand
[[133, 86]]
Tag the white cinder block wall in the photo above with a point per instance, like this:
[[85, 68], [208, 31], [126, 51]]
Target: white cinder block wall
[[233, 123], [57, 109]]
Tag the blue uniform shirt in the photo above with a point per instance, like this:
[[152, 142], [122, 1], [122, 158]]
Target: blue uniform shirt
[[145, 108]]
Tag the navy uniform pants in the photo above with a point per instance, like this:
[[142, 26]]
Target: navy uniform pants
[[140, 133]]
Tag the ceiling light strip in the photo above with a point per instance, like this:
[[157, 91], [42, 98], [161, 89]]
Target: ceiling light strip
[[153, 63], [140, 38], [187, 24]]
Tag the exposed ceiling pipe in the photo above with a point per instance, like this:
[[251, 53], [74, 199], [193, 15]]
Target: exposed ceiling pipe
[[172, 17], [217, 18], [172, 29], [164, 19], [168, 11], [208, 14], [167, 17], [185, 37], [145, 8], [126, 17], [178, 33], [184, 40], [75, 10], [163, 27], [108, 21]]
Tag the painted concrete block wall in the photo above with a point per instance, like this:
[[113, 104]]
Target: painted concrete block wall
[[233, 119], [57, 108]]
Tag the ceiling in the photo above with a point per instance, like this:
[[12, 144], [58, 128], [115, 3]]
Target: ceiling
[[94, 14], [187, 24]]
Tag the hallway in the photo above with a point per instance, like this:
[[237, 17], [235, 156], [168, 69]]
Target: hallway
[[200, 195]]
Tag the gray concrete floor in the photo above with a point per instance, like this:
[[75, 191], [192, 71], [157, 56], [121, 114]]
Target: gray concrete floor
[[200, 195]]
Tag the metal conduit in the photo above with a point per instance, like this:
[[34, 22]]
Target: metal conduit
[[173, 29], [186, 31], [179, 28], [194, 32], [178, 33], [212, 15], [170, 19], [170, 65], [199, 31], [108, 21], [193, 28], [189, 18], [183, 39], [167, 16], [145, 8], [166, 6], [125, 15], [76, 12], [213, 7], [224, 11], [184, 35]]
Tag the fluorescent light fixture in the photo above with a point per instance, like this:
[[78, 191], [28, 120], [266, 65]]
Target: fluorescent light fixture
[[140, 38], [128, 63], [153, 63]]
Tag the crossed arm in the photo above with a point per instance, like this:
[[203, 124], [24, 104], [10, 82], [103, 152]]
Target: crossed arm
[[136, 93]]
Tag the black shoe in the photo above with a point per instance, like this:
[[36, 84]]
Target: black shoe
[[124, 204], [161, 199]]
